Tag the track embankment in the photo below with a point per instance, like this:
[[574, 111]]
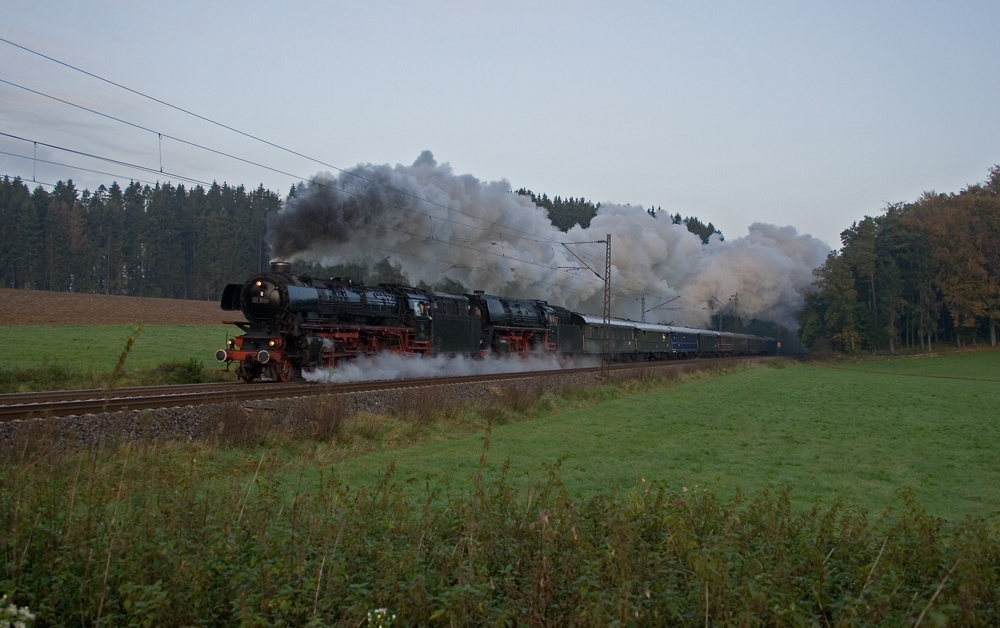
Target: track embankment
[[193, 411]]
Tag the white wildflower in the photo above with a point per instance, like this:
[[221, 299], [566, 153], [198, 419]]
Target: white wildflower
[[13, 616], [381, 618]]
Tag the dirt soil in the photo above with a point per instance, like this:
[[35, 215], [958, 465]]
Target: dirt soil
[[39, 307]]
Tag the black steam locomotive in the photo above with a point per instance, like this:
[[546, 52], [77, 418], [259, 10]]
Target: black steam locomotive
[[299, 322]]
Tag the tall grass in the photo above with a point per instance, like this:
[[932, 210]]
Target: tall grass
[[231, 530], [165, 535]]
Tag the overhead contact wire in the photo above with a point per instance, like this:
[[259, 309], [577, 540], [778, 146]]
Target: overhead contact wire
[[254, 137]]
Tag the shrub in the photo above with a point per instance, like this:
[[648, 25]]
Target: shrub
[[136, 539], [190, 372]]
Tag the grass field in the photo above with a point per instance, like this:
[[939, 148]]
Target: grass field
[[97, 347], [616, 506], [975, 365], [826, 433], [851, 431]]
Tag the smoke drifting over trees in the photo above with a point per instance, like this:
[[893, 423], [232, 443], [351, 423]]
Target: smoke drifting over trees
[[441, 226]]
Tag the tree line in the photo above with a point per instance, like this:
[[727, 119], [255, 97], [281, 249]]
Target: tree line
[[569, 212], [922, 272], [564, 213], [141, 240], [166, 240]]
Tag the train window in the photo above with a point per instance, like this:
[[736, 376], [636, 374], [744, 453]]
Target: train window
[[420, 308]]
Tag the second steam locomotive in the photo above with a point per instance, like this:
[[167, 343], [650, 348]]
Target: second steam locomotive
[[299, 322]]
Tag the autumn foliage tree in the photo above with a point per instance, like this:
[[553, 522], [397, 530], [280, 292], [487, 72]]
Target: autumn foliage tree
[[920, 273]]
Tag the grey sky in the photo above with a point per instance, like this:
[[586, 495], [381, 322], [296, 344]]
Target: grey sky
[[809, 114]]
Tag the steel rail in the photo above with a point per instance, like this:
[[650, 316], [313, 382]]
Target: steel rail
[[18, 406]]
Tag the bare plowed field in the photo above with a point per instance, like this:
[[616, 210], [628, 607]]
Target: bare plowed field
[[39, 307]]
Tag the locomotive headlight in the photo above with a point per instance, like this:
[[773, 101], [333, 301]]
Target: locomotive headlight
[[258, 284], [270, 342], [229, 342]]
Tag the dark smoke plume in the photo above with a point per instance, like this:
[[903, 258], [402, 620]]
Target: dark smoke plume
[[436, 225]]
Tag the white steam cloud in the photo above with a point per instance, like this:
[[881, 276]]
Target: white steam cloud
[[390, 366], [436, 224]]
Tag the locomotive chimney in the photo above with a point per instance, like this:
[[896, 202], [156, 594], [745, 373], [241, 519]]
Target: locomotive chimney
[[281, 267]]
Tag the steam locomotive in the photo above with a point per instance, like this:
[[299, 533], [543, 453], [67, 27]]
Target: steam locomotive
[[299, 322]]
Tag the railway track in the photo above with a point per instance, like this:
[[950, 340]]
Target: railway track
[[16, 406]]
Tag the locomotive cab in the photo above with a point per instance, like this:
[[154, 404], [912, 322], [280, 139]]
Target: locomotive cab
[[421, 309]]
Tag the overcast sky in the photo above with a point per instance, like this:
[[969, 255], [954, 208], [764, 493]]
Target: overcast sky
[[808, 114]]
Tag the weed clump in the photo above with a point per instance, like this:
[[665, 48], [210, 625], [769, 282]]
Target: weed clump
[[510, 403], [147, 536], [421, 406], [236, 426], [48, 376], [190, 372], [320, 418], [226, 531]]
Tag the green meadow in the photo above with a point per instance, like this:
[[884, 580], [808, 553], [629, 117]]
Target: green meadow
[[52, 357], [828, 434], [976, 365], [98, 347]]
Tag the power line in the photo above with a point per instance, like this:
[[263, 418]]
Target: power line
[[105, 159], [62, 165], [45, 183], [256, 138], [160, 135], [532, 237]]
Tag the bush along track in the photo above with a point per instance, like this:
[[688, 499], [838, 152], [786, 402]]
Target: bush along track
[[147, 537], [234, 529]]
